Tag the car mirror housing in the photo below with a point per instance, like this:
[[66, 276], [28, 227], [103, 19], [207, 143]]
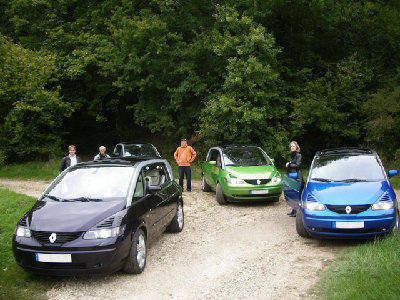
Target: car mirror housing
[[212, 162], [292, 175], [393, 173]]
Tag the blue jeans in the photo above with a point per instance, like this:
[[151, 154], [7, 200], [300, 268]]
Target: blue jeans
[[188, 172]]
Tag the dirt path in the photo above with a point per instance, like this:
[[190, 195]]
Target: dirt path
[[233, 251]]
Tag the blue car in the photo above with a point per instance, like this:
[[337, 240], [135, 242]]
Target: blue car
[[347, 195]]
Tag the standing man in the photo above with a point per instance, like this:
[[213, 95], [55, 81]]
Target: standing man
[[70, 160], [184, 156], [102, 154]]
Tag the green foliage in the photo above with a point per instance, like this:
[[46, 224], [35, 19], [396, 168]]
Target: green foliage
[[14, 282], [40, 170], [32, 115], [368, 271]]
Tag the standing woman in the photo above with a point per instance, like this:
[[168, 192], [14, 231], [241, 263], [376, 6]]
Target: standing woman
[[294, 165]]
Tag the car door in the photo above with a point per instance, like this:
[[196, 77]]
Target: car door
[[292, 191], [210, 168]]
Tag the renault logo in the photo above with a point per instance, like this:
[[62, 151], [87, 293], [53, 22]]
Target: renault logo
[[348, 209], [258, 181], [52, 237]]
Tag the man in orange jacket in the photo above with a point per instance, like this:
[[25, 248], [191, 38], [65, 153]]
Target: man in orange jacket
[[184, 156]]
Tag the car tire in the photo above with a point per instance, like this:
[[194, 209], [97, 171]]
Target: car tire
[[177, 222], [396, 222], [219, 195], [300, 228], [138, 254], [204, 186]]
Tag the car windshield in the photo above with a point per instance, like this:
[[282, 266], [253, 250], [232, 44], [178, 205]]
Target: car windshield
[[346, 168], [105, 183], [140, 150], [245, 157]]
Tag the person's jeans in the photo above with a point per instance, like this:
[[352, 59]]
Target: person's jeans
[[188, 172]]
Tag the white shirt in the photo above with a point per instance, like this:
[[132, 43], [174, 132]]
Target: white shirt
[[73, 160]]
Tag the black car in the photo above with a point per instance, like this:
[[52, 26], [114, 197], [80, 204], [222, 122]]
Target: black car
[[135, 149], [98, 217]]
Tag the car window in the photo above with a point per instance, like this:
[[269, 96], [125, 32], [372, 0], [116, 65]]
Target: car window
[[245, 157], [156, 174], [139, 189], [99, 183], [347, 168], [214, 155], [139, 150]]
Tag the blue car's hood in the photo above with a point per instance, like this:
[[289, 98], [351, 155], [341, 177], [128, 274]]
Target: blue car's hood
[[357, 193], [70, 216]]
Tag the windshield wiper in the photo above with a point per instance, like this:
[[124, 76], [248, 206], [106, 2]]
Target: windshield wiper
[[54, 198], [322, 179], [352, 180], [83, 199]]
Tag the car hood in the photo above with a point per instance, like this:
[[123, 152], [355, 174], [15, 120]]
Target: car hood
[[70, 216], [357, 193], [252, 172]]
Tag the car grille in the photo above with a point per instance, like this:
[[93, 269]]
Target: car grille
[[350, 231], [355, 209], [257, 181], [62, 237]]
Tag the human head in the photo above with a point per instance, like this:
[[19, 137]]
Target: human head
[[71, 150], [294, 146], [183, 143], [102, 150]]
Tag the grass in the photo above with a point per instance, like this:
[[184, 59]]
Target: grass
[[42, 170], [14, 282], [366, 271]]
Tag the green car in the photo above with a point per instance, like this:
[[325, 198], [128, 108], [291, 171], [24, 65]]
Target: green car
[[241, 173]]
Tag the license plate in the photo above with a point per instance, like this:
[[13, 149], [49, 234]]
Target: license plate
[[53, 258], [258, 192], [349, 225]]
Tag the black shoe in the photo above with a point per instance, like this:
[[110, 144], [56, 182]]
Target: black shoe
[[290, 213], [293, 215], [189, 191]]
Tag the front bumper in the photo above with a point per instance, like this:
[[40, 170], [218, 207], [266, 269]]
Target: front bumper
[[368, 224], [240, 193]]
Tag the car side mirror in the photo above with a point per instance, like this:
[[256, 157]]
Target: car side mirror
[[292, 175], [393, 173], [212, 162], [153, 188]]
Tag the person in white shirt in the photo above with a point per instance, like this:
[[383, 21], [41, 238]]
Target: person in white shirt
[[69, 160]]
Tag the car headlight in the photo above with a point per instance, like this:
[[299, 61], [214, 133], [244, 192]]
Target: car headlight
[[381, 205], [23, 231], [233, 180], [276, 179], [103, 233], [313, 205]]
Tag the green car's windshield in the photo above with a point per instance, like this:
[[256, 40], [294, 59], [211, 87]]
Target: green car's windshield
[[346, 168], [245, 157]]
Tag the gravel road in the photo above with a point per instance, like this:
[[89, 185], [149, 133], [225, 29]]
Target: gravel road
[[233, 251]]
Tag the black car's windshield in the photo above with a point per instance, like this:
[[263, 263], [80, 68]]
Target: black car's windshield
[[346, 168], [245, 157], [139, 150], [91, 184]]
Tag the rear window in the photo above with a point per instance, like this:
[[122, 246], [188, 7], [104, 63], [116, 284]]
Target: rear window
[[347, 168]]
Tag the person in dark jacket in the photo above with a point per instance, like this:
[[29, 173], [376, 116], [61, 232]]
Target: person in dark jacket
[[294, 166], [102, 154], [69, 160]]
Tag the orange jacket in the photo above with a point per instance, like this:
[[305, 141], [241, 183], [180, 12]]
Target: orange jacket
[[184, 156]]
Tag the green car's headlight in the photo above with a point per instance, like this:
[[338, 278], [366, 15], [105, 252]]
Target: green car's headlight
[[233, 180], [276, 179]]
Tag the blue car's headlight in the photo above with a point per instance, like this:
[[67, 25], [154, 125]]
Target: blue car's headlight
[[382, 205], [23, 231], [102, 233], [313, 205]]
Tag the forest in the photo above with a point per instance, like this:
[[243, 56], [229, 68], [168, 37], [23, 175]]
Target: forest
[[325, 73]]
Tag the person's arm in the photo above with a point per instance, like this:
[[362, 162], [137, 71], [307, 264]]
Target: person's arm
[[176, 154], [193, 155], [61, 167]]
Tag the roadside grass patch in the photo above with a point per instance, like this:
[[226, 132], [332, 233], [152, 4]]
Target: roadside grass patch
[[15, 283], [367, 271], [395, 181], [41, 170]]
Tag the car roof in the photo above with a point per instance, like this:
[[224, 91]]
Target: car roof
[[226, 147], [346, 151], [134, 143], [125, 161]]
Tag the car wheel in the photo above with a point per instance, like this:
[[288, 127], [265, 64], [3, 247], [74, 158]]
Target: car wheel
[[204, 186], [396, 222], [300, 228], [138, 253], [177, 222], [220, 195]]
